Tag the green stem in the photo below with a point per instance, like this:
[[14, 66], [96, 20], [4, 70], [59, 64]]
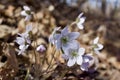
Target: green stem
[[27, 74]]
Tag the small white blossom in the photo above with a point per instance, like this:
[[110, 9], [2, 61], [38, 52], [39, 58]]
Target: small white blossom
[[52, 36], [87, 62], [74, 56], [80, 20], [27, 13], [41, 48], [66, 40], [23, 40], [97, 46]]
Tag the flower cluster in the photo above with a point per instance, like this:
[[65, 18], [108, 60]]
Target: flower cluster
[[27, 13], [97, 46], [65, 41], [24, 40], [72, 52], [79, 21]]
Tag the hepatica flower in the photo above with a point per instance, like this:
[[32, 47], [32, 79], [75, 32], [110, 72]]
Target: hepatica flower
[[66, 40], [87, 62], [75, 56], [41, 48], [27, 13], [80, 20], [97, 46], [52, 36], [23, 40]]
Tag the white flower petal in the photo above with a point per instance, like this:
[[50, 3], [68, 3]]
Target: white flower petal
[[58, 44], [80, 26], [81, 51], [41, 48], [28, 17], [80, 15], [23, 13], [100, 46], [72, 44], [65, 31], [95, 41], [79, 60], [96, 51], [26, 8], [29, 28], [71, 62], [82, 20], [22, 46], [20, 40]]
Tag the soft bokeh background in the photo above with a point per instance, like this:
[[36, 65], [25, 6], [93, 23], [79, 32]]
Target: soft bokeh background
[[102, 19]]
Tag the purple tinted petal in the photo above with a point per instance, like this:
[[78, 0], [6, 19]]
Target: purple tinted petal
[[88, 57], [71, 62], [73, 35], [84, 66], [65, 31]]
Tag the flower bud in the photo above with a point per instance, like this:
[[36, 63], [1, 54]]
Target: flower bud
[[41, 48]]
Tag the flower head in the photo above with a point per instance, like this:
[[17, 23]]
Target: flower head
[[75, 56], [80, 20], [97, 46], [66, 40], [87, 62], [27, 13], [52, 36], [23, 40], [41, 48]]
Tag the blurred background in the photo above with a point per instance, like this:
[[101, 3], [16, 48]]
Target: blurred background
[[102, 19]]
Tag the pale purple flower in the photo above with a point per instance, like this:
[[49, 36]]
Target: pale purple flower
[[97, 46], [66, 40], [41, 48], [75, 56], [87, 62], [24, 40], [27, 13], [52, 36], [80, 20]]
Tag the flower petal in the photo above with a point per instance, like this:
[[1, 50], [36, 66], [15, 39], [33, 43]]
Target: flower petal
[[28, 17], [26, 8], [70, 45], [79, 60], [80, 15], [23, 13], [20, 40], [96, 51], [82, 20], [29, 28], [73, 35], [80, 26], [100, 46], [95, 41], [81, 51], [71, 62]]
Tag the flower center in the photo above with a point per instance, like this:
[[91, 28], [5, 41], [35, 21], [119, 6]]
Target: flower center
[[74, 54], [64, 40], [28, 12], [95, 46]]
